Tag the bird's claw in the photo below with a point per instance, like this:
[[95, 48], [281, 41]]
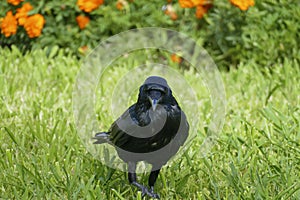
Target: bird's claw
[[151, 194], [144, 191]]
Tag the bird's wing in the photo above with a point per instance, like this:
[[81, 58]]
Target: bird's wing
[[178, 117], [181, 133], [125, 123], [183, 129]]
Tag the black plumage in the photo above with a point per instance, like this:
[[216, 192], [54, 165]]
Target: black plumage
[[151, 130]]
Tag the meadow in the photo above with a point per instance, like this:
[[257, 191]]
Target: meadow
[[255, 45], [256, 156]]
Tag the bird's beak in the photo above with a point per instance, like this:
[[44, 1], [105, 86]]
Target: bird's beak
[[154, 103]]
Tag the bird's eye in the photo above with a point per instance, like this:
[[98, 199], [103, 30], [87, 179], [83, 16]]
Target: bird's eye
[[143, 89]]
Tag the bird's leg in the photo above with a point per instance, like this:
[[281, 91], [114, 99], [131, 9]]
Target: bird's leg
[[132, 178], [152, 179]]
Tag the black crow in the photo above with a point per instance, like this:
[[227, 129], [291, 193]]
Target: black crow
[[151, 130]]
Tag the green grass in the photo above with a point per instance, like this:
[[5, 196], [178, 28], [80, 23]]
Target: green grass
[[257, 155]]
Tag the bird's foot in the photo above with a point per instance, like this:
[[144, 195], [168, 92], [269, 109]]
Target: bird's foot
[[146, 191], [151, 193], [143, 189]]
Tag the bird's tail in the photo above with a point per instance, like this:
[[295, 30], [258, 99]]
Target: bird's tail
[[102, 137]]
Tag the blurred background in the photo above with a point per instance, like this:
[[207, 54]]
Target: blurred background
[[254, 43], [232, 31]]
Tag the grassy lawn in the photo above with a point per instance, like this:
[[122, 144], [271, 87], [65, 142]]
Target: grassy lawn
[[257, 155]]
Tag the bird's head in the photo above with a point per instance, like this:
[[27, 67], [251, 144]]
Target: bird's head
[[155, 91]]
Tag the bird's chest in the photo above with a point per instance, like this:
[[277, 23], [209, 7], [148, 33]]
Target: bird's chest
[[160, 127], [154, 120]]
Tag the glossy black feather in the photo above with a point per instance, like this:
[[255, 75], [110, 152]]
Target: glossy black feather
[[139, 114], [143, 133]]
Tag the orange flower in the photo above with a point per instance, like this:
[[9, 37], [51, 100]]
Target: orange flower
[[82, 21], [175, 58], [14, 2], [9, 24], [242, 4], [89, 5], [84, 50], [202, 10], [173, 16], [202, 6], [22, 13], [192, 3], [169, 10], [34, 25], [120, 4]]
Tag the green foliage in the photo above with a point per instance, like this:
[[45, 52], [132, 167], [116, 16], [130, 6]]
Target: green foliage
[[256, 156], [61, 28], [266, 33], [278, 37]]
